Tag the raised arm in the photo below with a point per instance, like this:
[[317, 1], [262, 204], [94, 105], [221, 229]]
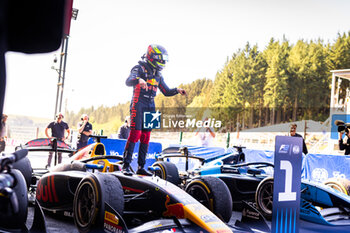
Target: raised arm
[[81, 127], [165, 89]]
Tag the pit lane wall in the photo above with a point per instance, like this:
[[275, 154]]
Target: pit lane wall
[[315, 167]]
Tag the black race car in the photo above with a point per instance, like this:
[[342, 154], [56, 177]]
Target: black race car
[[325, 204], [38, 150], [101, 200], [242, 179]]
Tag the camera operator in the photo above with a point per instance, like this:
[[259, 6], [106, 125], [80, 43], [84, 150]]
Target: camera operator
[[85, 130], [344, 146]]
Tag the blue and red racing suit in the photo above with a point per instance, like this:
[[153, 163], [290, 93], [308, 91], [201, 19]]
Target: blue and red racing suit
[[143, 100]]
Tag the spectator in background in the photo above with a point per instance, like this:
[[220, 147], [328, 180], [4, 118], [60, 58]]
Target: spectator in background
[[85, 130], [206, 135], [58, 130], [3, 132], [293, 133], [124, 130]]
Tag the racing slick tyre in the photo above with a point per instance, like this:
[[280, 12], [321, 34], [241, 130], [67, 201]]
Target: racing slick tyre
[[25, 167], [340, 184], [90, 197], [8, 219], [263, 197], [168, 171], [213, 194]]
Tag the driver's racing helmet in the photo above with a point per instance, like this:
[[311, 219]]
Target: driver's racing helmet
[[156, 56]]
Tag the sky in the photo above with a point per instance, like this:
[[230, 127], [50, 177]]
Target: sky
[[110, 36]]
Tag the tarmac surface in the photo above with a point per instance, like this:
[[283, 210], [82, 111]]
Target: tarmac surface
[[54, 224], [60, 224]]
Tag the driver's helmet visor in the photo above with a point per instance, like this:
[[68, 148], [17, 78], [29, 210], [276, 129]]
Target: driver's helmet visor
[[162, 58]]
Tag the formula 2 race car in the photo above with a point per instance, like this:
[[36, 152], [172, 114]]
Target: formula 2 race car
[[219, 197], [242, 179], [113, 202], [38, 150], [320, 203]]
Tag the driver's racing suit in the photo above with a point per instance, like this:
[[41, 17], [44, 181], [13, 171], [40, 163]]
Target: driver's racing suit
[[142, 100]]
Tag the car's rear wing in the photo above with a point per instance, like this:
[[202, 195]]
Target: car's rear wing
[[46, 144], [181, 153]]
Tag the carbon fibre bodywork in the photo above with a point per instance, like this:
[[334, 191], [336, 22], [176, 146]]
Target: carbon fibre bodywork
[[145, 198], [333, 207], [320, 204], [242, 179]]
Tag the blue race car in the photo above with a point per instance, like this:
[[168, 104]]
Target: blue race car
[[242, 179], [252, 182]]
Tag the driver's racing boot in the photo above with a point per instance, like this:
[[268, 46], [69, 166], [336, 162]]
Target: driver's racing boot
[[126, 169], [142, 171], [141, 160], [129, 149]]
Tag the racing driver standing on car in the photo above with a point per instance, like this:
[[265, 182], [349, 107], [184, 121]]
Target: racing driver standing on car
[[145, 78]]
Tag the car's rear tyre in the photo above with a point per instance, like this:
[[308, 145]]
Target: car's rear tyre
[[25, 167], [7, 218], [92, 192], [168, 171], [213, 194], [340, 184], [263, 197]]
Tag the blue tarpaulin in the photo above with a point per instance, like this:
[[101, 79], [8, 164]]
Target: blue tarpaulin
[[258, 155], [116, 147], [319, 167], [315, 167], [203, 152]]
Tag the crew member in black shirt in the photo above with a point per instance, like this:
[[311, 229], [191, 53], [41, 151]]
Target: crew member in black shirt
[[293, 133], [58, 129]]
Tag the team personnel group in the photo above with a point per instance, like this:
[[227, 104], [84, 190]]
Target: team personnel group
[[60, 130]]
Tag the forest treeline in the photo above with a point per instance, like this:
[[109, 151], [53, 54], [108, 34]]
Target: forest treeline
[[282, 83]]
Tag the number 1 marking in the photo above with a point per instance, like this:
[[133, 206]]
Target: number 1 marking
[[287, 195]]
